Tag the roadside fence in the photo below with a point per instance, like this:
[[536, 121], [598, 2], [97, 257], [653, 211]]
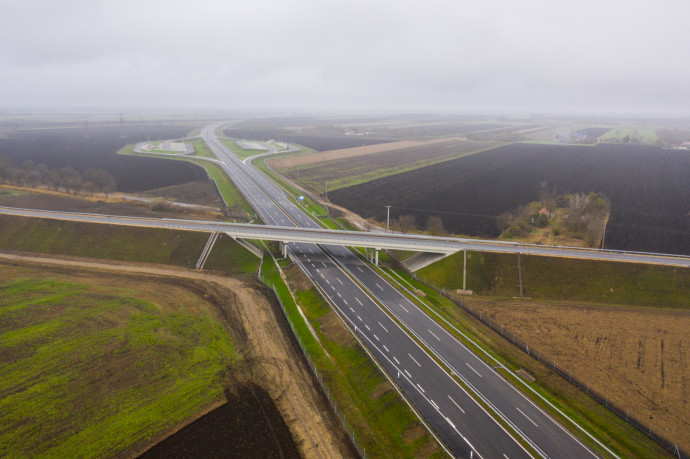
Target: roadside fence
[[350, 432]]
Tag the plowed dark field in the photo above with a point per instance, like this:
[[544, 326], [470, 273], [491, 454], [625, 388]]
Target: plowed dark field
[[249, 425], [648, 188], [83, 148]]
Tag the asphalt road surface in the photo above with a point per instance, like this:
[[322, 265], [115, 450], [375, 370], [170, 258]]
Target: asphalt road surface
[[461, 423]]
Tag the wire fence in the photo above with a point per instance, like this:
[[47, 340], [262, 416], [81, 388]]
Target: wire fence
[[566, 374], [350, 432]]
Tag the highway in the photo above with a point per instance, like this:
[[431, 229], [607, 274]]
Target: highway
[[460, 422], [353, 288], [433, 391]]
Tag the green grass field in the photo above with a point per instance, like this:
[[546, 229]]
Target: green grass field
[[200, 149], [569, 279], [180, 248], [88, 370], [646, 134], [239, 151]]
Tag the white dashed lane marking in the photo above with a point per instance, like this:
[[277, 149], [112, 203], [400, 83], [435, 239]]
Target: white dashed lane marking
[[414, 360]]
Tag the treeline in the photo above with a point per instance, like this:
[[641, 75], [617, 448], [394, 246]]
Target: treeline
[[577, 215], [65, 179]]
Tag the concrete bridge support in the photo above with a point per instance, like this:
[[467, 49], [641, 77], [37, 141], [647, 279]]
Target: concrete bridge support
[[207, 250], [372, 255]]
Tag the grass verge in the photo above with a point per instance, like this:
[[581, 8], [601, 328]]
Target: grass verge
[[550, 278], [125, 243], [241, 153]]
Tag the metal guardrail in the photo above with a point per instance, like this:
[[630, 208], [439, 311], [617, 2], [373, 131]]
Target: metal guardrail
[[350, 431]]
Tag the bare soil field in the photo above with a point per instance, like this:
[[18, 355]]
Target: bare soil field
[[300, 160], [247, 425], [346, 171], [637, 357], [47, 200], [647, 187], [272, 403], [203, 193], [82, 148]]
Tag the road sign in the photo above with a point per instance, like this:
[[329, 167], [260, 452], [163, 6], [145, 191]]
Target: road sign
[[300, 198]]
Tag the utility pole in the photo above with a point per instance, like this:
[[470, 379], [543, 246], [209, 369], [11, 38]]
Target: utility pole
[[520, 275], [464, 271], [388, 217]]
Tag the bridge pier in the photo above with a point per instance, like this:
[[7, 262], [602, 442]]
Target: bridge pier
[[283, 249], [372, 255], [207, 250]]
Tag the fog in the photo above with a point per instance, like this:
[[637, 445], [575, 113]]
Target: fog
[[627, 57]]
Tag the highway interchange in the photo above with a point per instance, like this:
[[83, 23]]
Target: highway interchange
[[368, 303], [461, 423]]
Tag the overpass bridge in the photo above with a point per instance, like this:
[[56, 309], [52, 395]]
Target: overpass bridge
[[375, 241]]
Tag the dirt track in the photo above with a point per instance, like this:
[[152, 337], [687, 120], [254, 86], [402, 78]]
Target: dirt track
[[275, 360]]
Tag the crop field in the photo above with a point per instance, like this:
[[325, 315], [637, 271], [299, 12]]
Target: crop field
[[314, 142], [441, 128], [318, 157], [643, 134], [637, 357], [647, 187], [592, 131], [95, 364], [346, 172], [82, 148]]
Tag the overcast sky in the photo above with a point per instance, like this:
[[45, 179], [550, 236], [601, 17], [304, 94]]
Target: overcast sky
[[625, 56]]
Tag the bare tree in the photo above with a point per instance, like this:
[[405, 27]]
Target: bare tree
[[547, 195], [102, 180], [434, 225], [406, 223], [70, 179], [5, 168]]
